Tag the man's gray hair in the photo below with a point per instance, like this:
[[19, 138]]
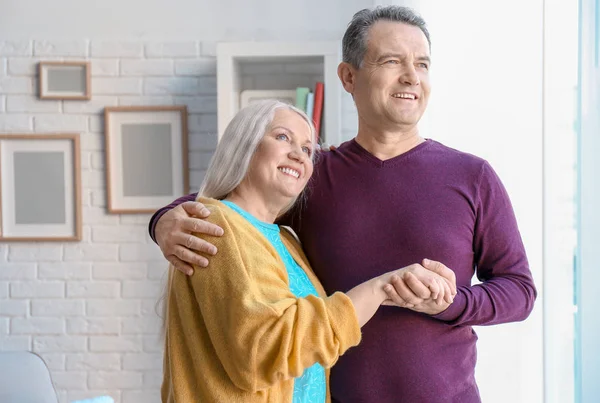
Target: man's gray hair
[[231, 160], [354, 43]]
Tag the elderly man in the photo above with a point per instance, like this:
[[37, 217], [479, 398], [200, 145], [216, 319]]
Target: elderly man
[[384, 200]]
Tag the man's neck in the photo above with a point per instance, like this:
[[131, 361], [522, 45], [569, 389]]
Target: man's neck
[[386, 145]]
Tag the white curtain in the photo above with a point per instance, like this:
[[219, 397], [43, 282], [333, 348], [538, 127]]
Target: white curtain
[[588, 297]]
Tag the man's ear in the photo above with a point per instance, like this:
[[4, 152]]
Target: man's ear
[[347, 74]]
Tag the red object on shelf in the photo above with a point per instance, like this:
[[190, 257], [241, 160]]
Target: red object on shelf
[[318, 107]]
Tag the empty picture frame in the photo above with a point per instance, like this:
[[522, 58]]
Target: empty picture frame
[[65, 80], [146, 157], [249, 96], [40, 187]]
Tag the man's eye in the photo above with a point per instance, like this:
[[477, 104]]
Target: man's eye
[[423, 66], [391, 61], [307, 150]]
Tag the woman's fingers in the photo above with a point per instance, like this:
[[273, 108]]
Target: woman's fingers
[[404, 288]]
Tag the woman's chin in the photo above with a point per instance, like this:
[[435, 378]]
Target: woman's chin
[[284, 198]]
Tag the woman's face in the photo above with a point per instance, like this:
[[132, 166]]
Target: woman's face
[[282, 164]]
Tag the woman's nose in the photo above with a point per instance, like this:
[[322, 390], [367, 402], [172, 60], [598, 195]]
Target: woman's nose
[[296, 153]]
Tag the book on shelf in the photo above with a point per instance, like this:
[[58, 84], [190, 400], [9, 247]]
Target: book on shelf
[[310, 103], [318, 107], [250, 96], [301, 94]]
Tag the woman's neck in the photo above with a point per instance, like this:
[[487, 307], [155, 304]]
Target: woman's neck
[[253, 203]]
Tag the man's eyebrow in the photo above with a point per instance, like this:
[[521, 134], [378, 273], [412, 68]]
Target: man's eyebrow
[[423, 58], [388, 55]]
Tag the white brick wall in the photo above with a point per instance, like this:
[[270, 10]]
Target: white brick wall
[[93, 326], [15, 123], [117, 49], [16, 85], [60, 123], [61, 48], [89, 308], [30, 103], [172, 49], [16, 48]]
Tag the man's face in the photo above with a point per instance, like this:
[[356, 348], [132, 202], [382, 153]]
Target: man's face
[[392, 87]]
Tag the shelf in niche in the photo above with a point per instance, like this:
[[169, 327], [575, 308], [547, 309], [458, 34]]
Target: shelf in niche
[[279, 66]]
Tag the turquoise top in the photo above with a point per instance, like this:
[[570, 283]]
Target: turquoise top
[[311, 386]]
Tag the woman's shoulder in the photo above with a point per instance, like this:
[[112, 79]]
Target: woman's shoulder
[[226, 218], [219, 212]]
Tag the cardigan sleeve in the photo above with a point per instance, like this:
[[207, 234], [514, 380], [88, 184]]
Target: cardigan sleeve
[[261, 332]]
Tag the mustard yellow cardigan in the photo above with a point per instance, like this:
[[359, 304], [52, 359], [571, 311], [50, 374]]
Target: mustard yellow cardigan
[[235, 332]]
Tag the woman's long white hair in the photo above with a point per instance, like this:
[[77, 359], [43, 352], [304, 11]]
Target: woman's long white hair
[[231, 160]]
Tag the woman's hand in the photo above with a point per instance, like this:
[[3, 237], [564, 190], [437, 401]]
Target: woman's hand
[[429, 288]]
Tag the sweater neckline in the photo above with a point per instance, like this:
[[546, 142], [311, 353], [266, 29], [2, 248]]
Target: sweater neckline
[[253, 220], [391, 161]]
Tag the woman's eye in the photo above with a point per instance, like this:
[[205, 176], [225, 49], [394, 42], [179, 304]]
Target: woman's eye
[[307, 150], [282, 136]]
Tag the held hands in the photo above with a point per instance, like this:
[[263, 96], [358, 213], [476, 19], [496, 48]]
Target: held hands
[[428, 288], [173, 234]]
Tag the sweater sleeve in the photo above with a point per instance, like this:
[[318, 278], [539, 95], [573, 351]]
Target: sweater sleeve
[[261, 332], [156, 216], [507, 292]]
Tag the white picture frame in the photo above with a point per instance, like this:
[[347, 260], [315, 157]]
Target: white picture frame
[[249, 96], [146, 157], [40, 187], [65, 80]]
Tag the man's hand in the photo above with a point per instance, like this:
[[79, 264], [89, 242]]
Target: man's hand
[[428, 306], [325, 147], [173, 233], [428, 288], [443, 271]]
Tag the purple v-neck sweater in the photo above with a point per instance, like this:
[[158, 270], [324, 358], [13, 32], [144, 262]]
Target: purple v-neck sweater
[[363, 217]]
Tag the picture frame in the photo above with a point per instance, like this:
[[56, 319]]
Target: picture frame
[[249, 96], [65, 80], [40, 187], [146, 157]]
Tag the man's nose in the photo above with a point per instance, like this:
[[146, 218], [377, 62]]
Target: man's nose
[[409, 75]]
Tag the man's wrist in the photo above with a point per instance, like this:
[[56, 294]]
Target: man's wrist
[[456, 308], [154, 222]]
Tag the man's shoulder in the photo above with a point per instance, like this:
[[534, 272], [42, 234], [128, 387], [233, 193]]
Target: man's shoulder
[[327, 158], [454, 156], [338, 151]]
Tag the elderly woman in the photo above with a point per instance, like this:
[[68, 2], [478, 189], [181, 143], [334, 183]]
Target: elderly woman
[[257, 326]]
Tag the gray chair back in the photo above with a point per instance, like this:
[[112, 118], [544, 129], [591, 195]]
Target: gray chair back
[[25, 378]]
